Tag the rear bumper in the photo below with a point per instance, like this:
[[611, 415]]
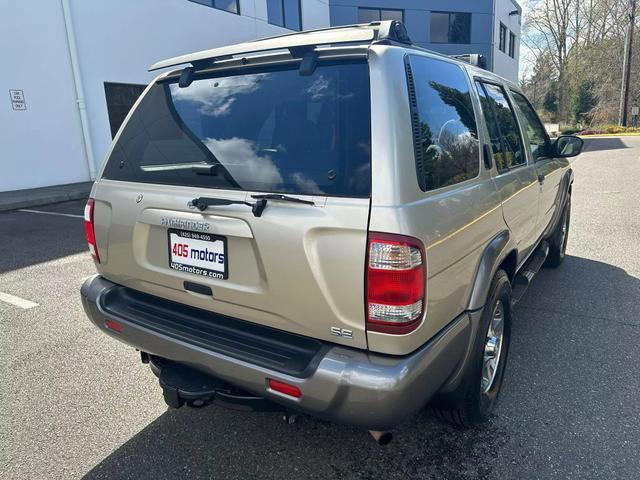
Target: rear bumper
[[351, 386]]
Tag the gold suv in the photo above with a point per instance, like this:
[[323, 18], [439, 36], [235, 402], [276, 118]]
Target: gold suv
[[335, 222]]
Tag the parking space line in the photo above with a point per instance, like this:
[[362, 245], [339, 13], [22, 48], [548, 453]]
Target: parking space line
[[50, 213], [17, 301]]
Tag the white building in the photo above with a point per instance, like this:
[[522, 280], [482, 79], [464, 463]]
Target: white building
[[506, 38], [72, 69]]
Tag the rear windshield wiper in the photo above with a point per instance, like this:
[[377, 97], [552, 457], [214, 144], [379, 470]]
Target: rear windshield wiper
[[284, 198], [202, 203]]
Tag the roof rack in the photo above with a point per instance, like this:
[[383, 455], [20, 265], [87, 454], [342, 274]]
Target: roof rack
[[474, 59], [298, 43]]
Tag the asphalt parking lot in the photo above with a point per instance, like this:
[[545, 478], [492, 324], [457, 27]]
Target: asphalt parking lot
[[75, 403]]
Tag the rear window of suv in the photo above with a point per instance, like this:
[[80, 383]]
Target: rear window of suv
[[269, 130]]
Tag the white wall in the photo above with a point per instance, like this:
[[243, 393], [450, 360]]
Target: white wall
[[117, 41], [503, 64], [41, 145]]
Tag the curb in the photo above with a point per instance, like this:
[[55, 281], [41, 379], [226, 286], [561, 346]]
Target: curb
[[44, 196]]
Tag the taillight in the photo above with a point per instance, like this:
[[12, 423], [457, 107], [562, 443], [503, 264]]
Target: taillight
[[89, 231], [396, 276]]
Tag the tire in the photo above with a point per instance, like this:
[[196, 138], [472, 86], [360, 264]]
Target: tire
[[474, 399], [558, 241]]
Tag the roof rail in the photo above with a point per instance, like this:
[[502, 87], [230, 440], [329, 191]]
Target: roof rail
[[475, 59], [298, 43]]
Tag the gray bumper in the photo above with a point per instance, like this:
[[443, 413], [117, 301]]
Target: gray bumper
[[351, 386]]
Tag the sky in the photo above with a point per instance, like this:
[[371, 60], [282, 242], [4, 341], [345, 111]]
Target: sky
[[526, 56]]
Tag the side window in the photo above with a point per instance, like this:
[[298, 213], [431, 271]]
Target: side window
[[538, 140], [502, 45], [497, 147], [505, 118], [444, 124]]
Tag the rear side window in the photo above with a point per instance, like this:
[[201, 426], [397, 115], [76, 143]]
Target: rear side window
[[444, 124], [271, 130], [508, 152]]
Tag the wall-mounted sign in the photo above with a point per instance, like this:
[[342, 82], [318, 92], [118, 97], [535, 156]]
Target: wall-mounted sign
[[17, 99]]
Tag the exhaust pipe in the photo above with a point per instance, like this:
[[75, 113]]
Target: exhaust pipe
[[381, 438]]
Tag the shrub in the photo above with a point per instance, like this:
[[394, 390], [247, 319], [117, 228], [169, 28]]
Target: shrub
[[569, 129], [609, 129]]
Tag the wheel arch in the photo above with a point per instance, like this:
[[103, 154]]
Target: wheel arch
[[500, 251]]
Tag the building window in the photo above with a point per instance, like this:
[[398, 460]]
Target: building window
[[285, 13], [231, 6], [503, 38], [368, 15], [512, 45], [120, 98], [450, 27]]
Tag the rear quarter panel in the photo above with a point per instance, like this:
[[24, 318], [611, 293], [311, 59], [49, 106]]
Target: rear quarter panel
[[454, 223]]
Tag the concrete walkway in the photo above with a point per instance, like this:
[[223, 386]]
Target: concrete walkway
[[34, 197]]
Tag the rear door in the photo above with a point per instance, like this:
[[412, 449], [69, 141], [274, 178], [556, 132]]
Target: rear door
[[223, 139], [516, 178]]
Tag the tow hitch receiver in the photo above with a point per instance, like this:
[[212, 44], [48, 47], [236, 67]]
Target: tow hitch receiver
[[183, 385]]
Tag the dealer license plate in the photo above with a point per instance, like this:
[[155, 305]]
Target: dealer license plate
[[198, 253]]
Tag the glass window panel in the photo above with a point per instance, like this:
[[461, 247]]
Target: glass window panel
[[448, 143], [120, 98], [275, 14], [391, 15], [368, 15], [292, 14], [538, 139], [227, 5], [270, 130], [439, 27], [508, 125], [497, 147], [460, 28], [503, 38]]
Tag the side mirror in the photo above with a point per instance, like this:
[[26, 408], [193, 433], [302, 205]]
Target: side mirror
[[567, 146]]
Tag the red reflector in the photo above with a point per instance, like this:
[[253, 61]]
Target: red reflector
[[284, 388], [111, 325]]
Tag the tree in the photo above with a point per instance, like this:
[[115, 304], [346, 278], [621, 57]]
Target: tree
[[584, 101], [578, 49]]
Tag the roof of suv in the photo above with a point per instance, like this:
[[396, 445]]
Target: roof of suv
[[299, 43], [390, 32]]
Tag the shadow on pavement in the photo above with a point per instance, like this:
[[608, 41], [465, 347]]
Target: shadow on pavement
[[564, 310], [603, 143], [217, 443], [586, 288], [31, 238]]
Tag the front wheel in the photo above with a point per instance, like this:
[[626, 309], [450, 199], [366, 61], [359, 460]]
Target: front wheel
[[473, 401]]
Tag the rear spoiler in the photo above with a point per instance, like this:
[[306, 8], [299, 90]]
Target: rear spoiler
[[297, 43]]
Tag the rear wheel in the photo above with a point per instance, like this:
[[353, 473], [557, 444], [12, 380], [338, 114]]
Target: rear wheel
[[473, 401], [558, 241]]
